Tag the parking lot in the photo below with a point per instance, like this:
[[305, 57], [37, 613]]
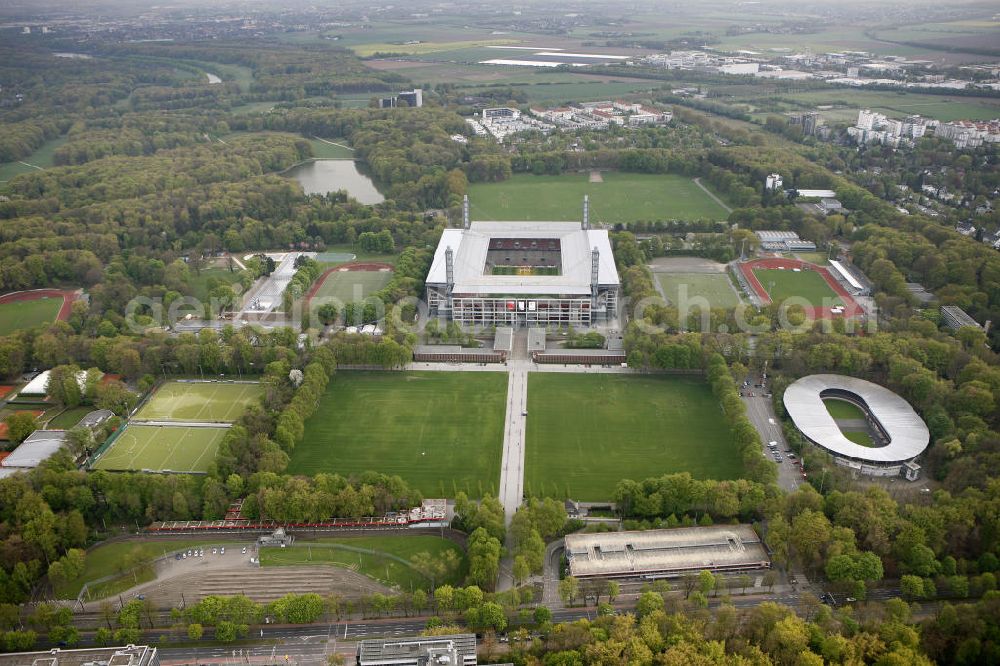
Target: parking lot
[[761, 414]]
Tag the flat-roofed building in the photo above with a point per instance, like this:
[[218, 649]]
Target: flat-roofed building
[[666, 553], [452, 650], [36, 449], [956, 318], [129, 655]]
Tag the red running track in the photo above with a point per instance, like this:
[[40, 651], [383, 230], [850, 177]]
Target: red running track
[[67, 296], [851, 307]]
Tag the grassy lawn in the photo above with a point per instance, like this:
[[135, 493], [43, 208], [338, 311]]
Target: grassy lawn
[[328, 150], [622, 197], [860, 437], [365, 50], [809, 285], [441, 431], [713, 287], [585, 433], [19, 315], [841, 409], [386, 570], [199, 282], [107, 559], [350, 286], [41, 158], [174, 448], [69, 418], [199, 401], [818, 258]]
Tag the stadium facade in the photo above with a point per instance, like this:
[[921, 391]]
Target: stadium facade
[[900, 435], [524, 274]]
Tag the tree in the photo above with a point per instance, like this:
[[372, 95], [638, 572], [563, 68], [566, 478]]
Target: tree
[[225, 631], [521, 570], [20, 425], [769, 579], [569, 588], [195, 631], [327, 313], [706, 581], [611, 588], [648, 603], [541, 615]]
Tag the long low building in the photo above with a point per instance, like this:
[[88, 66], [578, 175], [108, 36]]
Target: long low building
[[903, 435], [524, 274], [451, 650], [666, 553]]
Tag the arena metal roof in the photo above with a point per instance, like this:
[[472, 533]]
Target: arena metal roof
[[908, 434], [665, 552], [471, 245], [37, 448]]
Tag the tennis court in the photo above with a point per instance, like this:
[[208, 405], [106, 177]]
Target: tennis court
[[162, 448], [202, 402]]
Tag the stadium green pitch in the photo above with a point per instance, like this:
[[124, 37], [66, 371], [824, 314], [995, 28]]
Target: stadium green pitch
[[809, 285], [585, 433], [351, 286], [194, 401], [159, 448], [440, 431]]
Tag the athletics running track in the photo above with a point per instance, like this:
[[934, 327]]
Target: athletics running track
[[361, 267], [851, 307], [67, 296]]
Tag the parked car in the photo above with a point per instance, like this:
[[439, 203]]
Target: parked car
[[222, 551]]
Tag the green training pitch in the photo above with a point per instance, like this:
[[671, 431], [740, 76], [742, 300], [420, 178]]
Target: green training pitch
[[351, 286], [440, 431], [808, 285], [713, 287], [205, 402], [622, 197], [174, 448], [20, 315], [586, 433]]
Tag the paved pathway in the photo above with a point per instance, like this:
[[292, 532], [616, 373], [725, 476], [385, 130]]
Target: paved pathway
[[697, 181], [762, 415]]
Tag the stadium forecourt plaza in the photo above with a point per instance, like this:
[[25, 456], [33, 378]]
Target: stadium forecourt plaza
[[903, 435]]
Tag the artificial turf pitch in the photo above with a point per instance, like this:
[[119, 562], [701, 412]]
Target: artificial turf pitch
[[715, 288], [808, 285], [585, 433], [351, 286], [19, 315], [208, 402], [442, 432], [174, 448], [622, 197]]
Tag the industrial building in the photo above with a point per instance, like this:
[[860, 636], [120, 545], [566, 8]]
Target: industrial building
[[899, 433], [129, 655], [956, 318], [452, 650], [784, 241], [666, 553], [36, 449], [524, 274]]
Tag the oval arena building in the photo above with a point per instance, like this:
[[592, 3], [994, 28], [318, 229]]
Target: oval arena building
[[899, 434]]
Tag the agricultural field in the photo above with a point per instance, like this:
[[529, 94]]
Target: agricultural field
[[841, 409], [899, 104], [19, 315], [351, 286], [208, 402], [367, 50], [621, 197], [716, 288], [585, 433], [440, 431], [809, 285], [173, 448], [378, 563]]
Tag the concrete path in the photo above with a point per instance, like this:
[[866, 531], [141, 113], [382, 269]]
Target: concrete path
[[761, 414], [515, 421], [697, 181]]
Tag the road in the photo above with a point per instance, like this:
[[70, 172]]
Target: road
[[761, 414]]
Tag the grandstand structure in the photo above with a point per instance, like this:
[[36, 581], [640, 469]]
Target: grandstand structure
[[665, 553], [856, 283], [524, 274], [784, 241], [900, 435]]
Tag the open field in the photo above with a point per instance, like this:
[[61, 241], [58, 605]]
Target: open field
[[365, 50], [41, 158], [713, 287], [585, 433], [331, 149], [785, 284], [377, 565], [68, 418], [622, 197], [351, 286], [841, 409], [199, 282], [899, 104], [441, 431], [20, 315], [174, 448], [107, 560], [818, 258], [199, 401]]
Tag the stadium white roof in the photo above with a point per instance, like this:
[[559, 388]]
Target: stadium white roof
[[40, 446], [908, 434], [471, 245]]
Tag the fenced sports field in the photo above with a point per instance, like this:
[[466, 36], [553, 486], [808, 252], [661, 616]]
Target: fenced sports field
[[204, 402], [162, 448]]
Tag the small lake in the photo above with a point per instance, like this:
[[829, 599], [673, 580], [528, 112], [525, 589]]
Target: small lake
[[326, 176], [212, 78]]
